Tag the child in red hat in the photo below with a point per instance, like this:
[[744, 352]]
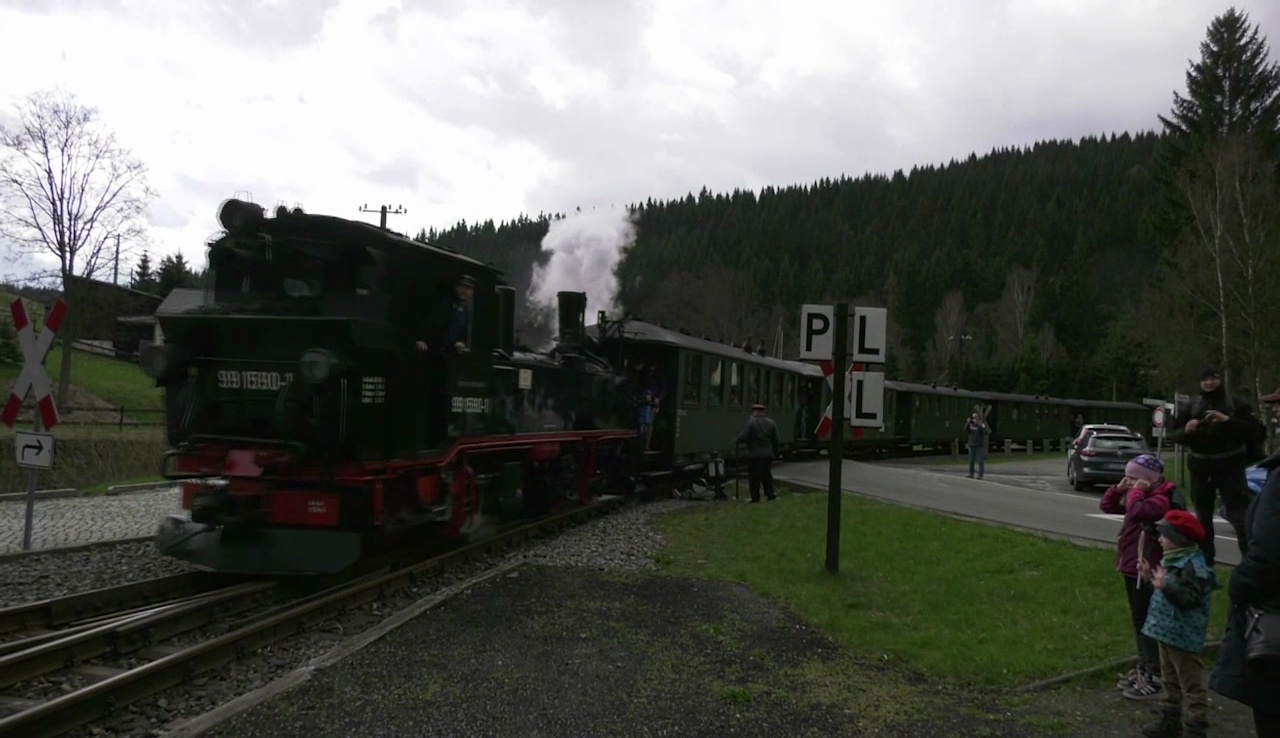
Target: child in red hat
[[1178, 619]]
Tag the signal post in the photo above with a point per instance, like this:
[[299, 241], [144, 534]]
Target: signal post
[[33, 450], [826, 336]]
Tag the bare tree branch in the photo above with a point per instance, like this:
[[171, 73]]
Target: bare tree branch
[[67, 189]]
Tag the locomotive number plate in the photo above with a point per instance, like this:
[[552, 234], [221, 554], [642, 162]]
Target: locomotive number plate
[[471, 405], [253, 380]]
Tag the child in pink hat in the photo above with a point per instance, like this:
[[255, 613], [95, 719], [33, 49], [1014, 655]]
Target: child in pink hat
[[1143, 497]]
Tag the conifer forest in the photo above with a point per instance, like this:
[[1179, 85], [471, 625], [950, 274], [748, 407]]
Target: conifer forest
[[1112, 266]]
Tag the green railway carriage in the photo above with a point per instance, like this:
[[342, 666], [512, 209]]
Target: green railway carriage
[[1132, 414], [1020, 418], [707, 388], [933, 416], [928, 415]]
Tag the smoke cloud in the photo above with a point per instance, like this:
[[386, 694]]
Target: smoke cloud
[[585, 249]]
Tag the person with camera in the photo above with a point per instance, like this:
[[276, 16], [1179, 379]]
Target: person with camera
[[1251, 675], [1220, 433]]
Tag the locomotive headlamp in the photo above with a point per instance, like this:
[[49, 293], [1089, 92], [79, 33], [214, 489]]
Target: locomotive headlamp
[[317, 365]]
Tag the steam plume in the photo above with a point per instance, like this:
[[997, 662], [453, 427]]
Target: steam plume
[[585, 249]]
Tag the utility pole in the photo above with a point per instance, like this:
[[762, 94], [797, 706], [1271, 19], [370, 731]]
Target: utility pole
[[115, 271], [384, 212]]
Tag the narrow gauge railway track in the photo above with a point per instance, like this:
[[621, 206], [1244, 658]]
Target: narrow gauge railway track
[[85, 606], [120, 688]]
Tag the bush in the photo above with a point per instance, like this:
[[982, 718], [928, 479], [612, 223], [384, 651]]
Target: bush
[[87, 461], [10, 351]]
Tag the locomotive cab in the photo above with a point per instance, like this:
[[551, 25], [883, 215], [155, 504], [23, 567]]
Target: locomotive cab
[[286, 380]]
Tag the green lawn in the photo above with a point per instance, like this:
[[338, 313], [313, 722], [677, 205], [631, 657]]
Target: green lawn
[[959, 600], [120, 383]]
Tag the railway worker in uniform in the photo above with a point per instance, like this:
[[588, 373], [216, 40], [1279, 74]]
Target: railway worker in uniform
[[1217, 431], [447, 330], [761, 438]]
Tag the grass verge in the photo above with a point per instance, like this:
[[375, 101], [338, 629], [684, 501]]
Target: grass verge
[[118, 383], [86, 463], [963, 601]]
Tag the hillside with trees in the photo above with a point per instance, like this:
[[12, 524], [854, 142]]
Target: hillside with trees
[[1007, 270], [1106, 267]]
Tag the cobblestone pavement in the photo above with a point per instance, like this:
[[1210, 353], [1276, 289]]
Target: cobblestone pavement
[[73, 521]]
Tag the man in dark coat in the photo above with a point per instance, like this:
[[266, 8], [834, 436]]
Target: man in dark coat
[[448, 329], [449, 323], [761, 438], [1217, 431], [1256, 582]]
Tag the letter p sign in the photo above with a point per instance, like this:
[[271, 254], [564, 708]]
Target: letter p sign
[[817, 332]]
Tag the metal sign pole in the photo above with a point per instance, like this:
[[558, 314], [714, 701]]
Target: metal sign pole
[[31, 493], [840, 353]]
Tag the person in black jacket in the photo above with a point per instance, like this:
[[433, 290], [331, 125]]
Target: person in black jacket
[[761, 438], [1255, 582], [1218, 430]]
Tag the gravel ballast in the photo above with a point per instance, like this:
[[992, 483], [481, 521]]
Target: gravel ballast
[[60, 573], [621, 540]]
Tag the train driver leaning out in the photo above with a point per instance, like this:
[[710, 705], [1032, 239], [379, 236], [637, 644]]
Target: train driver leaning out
[[448, 323]]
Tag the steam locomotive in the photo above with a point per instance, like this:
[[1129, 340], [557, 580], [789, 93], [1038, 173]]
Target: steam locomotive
[[299, 410], [306, 429]]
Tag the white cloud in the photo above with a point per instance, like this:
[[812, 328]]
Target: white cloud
[[488, 109]]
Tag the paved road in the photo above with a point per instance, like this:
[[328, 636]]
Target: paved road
[[1032, 495], [77, 520]]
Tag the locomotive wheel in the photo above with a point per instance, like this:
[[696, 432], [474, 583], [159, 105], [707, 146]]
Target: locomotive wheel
[[464, 503]]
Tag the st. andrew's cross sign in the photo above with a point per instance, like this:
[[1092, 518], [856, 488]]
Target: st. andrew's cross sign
[[33, 375]]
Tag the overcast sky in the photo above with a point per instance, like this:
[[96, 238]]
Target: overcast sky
[[475, 109]]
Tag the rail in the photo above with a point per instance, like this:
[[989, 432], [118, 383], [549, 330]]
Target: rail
[[77, 708]]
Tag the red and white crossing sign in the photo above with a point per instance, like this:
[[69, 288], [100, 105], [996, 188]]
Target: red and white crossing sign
[[824, 426], [33, 376]]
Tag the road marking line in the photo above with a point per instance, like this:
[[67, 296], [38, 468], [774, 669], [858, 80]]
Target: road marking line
[[1110, 516]]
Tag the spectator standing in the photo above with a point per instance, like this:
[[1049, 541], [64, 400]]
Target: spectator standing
[[761, 438], [1179, 621], [1142, 497], [1254, 583], [977, 433], [1218, 431]]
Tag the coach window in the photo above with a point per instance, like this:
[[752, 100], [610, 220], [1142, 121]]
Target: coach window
[[717, 382], [735, 384], [692, 379], [777, 390], [753, 384], [789, 394]]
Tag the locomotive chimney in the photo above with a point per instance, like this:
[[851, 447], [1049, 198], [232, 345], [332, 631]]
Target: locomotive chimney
[[573, 311]]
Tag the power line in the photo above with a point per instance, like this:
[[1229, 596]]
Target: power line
[[384, 213]]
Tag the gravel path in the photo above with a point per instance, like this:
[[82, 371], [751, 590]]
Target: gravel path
[[550, 652], [68, 521]]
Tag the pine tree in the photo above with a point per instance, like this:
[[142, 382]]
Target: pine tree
[[173, 274], [143, 279], [1233, 90]]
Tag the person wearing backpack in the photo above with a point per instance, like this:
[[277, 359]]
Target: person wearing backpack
[[1222, 437], [1143, 497]]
